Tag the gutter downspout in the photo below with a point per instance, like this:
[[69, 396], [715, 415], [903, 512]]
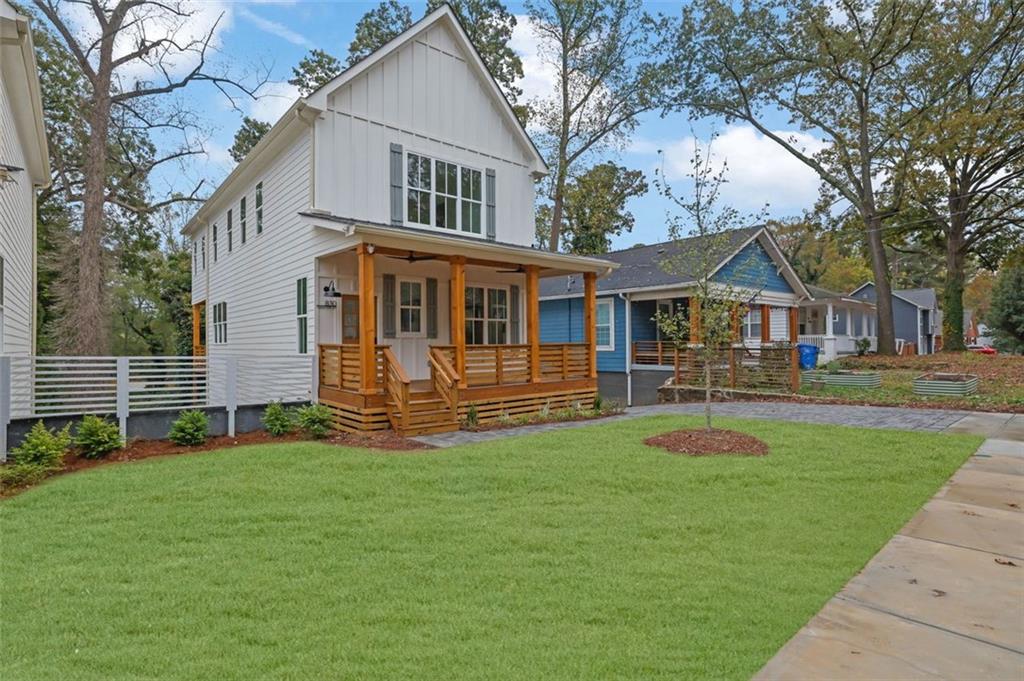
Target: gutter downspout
[[629, 346]]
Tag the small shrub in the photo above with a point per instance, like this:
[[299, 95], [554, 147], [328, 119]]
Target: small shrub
[[598, 403], [315, 420], [278, 420], [472, 417], [96, 437], [19, 474], [43, 447], [832, 367], [189, 429], [862, 345]]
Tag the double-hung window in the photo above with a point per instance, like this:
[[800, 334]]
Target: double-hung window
[[231, 232], [487, 315], [241, 218], [752, 324], [605, 325], [418, 204], [443, 195], [220, 323], [215, 242], [302, 313], [259, 208], [472, 200], [410, 307], [446, 197]]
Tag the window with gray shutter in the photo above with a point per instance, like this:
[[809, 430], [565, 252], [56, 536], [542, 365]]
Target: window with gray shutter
[[396, 185], [492, 232], [388, 305], [513, 314], [431, 308]]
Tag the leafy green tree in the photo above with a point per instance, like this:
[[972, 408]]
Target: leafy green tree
[[836, 70], [378, 27], [247, 137], [700, 214], [1006, 312], [595, 207], [606, 57], [316, 69], [967, 154]]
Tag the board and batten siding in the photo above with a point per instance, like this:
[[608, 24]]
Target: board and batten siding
[[425, 97], [16, 235], [754, 267]]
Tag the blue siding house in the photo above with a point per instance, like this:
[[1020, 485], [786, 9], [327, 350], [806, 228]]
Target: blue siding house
[[632, 358]]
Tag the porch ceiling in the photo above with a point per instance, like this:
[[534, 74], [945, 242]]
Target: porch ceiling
[[421, 244]]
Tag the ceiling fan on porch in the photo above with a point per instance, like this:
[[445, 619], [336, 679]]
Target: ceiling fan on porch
[[518, 270], [412, 257]]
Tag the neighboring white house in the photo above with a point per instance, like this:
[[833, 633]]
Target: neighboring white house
[[392, 207], [24, 167], [834, 322]]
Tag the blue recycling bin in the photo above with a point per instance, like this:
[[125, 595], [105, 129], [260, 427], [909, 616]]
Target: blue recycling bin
[[808, 355]]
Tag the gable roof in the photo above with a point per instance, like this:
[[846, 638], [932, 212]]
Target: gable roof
[[640, 268], [19, 73], [444, 14], [923, 298]]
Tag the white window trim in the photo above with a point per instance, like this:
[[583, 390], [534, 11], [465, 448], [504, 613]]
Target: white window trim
[[611, 325], [258, 205], [508, 312], [220, 328], [422, 333], [748, 322], [433, 193]]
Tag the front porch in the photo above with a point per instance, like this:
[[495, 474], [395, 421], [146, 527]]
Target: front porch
[[834, 325], [421, 339]]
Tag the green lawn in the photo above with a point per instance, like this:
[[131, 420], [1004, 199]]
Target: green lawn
[[572, 554]]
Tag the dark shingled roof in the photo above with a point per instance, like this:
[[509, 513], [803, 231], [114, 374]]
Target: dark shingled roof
[[922, 297], [819, 293], [640, 268]]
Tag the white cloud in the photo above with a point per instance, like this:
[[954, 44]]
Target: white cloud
[[275, 28], [540, 78], [274, 99], [759, 170]]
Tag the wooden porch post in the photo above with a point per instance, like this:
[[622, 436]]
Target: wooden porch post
[[457, 317], [367, 322], [794, 368], [533, 321], [766, 324], [590, 321], [197, 328]]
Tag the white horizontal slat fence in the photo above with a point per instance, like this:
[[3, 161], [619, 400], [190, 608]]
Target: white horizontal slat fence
[[41, 387]]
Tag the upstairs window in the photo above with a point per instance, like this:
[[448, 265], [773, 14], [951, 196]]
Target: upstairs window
[[215, 243], [195, 256], [443, 195], [302, 313], [202, 250], [418, 204], [230, 232], [241, 218], [259, 208]]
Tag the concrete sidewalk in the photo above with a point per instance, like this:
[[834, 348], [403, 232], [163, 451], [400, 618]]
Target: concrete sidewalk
[[944, 599]]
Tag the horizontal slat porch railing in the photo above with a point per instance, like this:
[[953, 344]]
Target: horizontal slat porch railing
[[737, 366], [509, 364], [652, 353], [339, 366]]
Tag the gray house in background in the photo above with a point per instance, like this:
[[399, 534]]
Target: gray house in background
[[915, 314]]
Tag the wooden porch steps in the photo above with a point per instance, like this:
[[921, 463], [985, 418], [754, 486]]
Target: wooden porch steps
[[427, 413]]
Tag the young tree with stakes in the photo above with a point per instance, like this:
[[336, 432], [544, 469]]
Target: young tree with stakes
[[718, 305]]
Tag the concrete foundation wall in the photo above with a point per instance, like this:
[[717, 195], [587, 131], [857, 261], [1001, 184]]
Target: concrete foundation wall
[[612, 386]]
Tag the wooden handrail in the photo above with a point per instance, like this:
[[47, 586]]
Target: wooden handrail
[[444, 377], [397, 384]]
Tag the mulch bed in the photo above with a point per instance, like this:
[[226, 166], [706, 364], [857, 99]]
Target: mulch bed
[[136, 450], [714, 442]]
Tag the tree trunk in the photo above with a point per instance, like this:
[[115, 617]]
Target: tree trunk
[[556, 209], [707, 391], [953, 296], [85, 314], [883, 290]]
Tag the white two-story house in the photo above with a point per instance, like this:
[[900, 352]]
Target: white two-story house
[[24, 168], [384, 227]]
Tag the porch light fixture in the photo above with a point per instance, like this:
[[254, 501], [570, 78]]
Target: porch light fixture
[[370, 248], [330, 291]]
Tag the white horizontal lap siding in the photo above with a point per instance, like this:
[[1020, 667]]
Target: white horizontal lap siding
[[15, 237], [425, 97]]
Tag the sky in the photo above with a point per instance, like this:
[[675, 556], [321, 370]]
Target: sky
[[273, 35]]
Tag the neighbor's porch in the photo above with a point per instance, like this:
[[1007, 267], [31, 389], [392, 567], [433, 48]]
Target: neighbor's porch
[[834, 325], [416, 337]]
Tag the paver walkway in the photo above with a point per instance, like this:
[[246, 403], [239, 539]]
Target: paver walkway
[[944, 599], [1002, 426]]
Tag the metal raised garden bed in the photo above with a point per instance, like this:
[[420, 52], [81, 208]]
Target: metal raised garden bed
[[847, 379], [939, 384]]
